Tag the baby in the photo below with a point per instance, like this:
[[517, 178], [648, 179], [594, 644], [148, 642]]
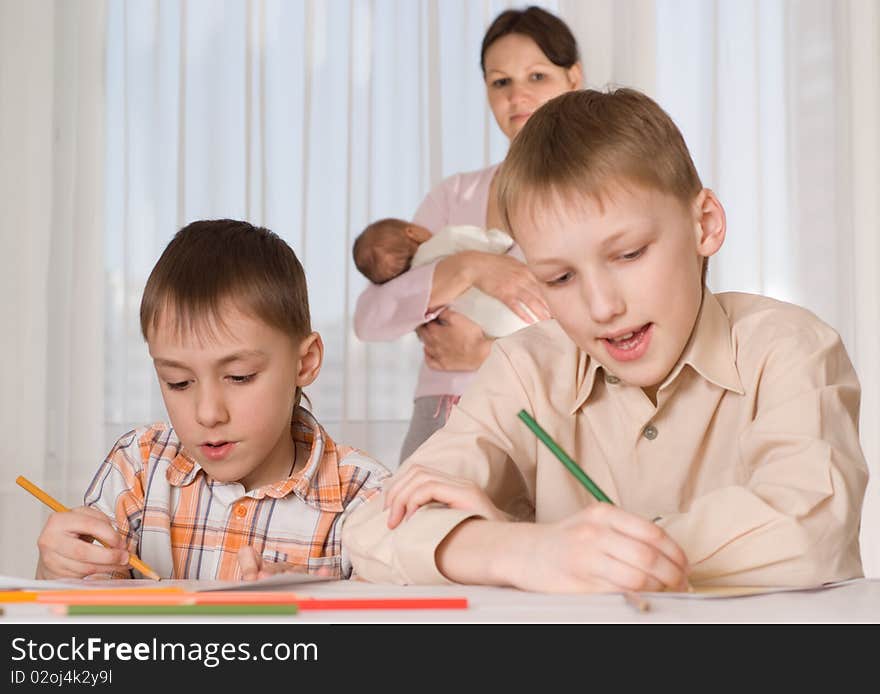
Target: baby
[[389, 247]]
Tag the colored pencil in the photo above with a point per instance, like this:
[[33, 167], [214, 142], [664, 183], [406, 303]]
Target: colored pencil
[[252, 598], [122, 597], [61, 596], [563, 458], [157, 610], [18, 596], [309, 603], [86, 597], [56, 505], [383, 604]]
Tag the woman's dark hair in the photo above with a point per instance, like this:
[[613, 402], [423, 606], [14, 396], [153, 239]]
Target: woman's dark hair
[[552, 35]]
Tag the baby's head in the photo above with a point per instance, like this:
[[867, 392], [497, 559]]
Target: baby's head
[[600, 192], [225, 314], [385, 248]]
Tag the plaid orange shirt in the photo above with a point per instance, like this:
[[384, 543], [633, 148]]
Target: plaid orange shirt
[[184, 524]]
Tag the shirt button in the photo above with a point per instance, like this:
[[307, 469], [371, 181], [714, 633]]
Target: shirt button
[[612, 379], [241, 510], [650, 432]]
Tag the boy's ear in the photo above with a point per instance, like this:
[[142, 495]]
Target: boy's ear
[[576, 76], [311, 356], [711, 223]]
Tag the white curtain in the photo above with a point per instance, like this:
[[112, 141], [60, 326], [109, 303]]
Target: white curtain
[[51, 178], [313, 117], [780, 104]]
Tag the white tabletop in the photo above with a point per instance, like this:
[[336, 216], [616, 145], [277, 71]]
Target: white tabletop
[[856, 601]]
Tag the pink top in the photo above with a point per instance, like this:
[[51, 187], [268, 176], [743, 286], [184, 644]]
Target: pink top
[[387, 311]]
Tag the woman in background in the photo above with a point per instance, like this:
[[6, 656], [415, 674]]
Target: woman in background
[[527, 58]]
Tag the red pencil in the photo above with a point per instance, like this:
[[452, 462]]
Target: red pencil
[[383, 604]]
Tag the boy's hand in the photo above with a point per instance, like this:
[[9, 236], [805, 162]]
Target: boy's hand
[[253, 567], [420, 485], [67, 549], [602, 548]]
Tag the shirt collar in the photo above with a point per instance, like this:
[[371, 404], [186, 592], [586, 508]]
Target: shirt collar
[[584, 379], [182, 470], [709, 352], [316, 483]]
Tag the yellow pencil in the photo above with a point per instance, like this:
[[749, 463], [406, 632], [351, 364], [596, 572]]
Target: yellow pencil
[[55, 505], [18, 596]]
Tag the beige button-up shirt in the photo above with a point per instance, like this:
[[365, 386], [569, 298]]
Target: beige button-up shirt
[[750, 460]]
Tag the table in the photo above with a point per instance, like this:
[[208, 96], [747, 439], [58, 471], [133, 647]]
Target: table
[[854, 601]]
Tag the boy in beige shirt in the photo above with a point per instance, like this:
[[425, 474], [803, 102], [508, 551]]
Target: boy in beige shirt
[[723, 427]]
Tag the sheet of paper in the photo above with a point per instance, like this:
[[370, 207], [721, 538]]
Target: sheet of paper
[[716, 592], [284, 580]]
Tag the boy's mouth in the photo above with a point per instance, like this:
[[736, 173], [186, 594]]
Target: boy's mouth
[[630, 345], [216, 450]]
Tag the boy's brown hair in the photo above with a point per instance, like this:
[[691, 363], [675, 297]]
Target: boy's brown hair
[[210, 262], [383, 251], [580, 143]]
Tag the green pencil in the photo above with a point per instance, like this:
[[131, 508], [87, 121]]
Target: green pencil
[[572, 466], [95, 610]]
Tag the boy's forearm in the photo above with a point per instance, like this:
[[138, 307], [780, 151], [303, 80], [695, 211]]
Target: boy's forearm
[[485, 552]]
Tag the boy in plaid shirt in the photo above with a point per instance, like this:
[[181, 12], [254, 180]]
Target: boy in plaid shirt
[[243, 482]]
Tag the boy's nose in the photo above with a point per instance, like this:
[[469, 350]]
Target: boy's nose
[[603, 301], [211, 407]]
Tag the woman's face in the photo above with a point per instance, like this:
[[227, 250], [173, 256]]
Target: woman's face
[[520, 78]]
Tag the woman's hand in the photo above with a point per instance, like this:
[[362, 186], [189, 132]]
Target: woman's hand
[[451, 342], [511, 282], [67, 547], [419, 485], [501, 276]]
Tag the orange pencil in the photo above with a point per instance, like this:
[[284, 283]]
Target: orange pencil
[[69, 597], [179, 597], [18, 596], [58, 506]]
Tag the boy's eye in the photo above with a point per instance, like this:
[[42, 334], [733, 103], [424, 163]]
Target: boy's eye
[[179, 385], [538, 76], [242, 379], [500, 82], [634, 254], [559, 280]]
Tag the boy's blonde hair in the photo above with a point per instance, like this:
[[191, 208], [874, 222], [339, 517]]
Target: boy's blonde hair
[[581, 142], [210, 262]]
